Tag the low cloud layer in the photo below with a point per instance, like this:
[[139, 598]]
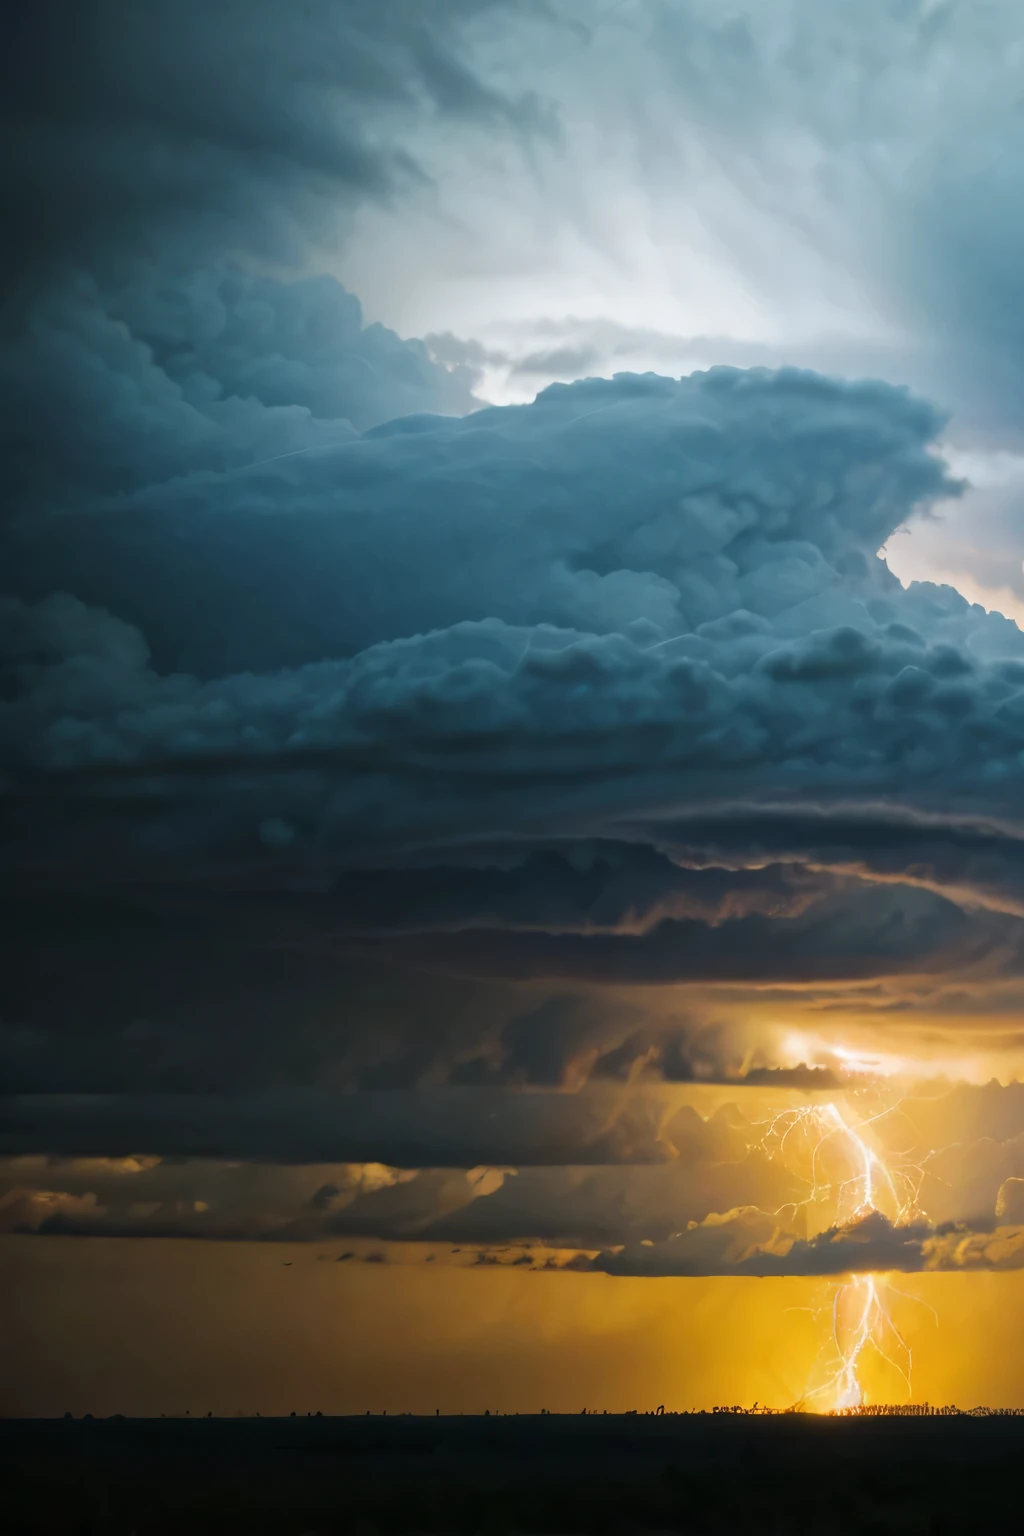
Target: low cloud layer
[[630, 1182], [439, 1128], [743, 1242]]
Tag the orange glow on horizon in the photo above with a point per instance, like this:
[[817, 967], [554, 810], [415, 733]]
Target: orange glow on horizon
[[226, 1327]]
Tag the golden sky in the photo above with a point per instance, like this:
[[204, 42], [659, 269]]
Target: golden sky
[[146, 1327]]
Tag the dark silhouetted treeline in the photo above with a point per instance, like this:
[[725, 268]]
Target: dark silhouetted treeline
[[912, 1470]]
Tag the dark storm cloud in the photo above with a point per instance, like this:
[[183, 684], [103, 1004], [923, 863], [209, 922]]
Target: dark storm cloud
[[978, 859], [348, 740], [190, 126], [651, 1221], [437, 1208], [854, 937], [213, 1002], [605, 887], [699, 1165], [746, 1242], [753, 502], [153, 158], [739, 626], [673, 1192], [464, 783], [595, 1207], [109, 386], [208, 1006], [430, 1128]]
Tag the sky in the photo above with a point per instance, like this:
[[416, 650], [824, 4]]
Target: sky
[[511, 704]]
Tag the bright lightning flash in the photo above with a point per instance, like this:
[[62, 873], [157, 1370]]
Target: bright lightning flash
[[844, 1167], [861, 1321], [848, 1172]]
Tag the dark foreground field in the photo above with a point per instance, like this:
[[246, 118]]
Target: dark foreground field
[[554, 1474]]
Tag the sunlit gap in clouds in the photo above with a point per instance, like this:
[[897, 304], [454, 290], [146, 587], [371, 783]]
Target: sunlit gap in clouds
[[943, 545], [938, 1052]]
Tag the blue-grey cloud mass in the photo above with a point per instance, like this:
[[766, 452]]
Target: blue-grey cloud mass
[[360, 738]]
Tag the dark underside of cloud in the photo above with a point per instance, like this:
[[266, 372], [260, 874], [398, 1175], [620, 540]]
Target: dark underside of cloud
[[369, 758], [743, 1242], [635, 1199]]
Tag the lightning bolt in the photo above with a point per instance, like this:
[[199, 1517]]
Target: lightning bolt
[[871, 1183], [861, 1322], [847, 1170]]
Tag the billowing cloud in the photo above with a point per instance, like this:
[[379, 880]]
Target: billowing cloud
[[217, 370], [1010, 1202], [736, 640], [744, 1242], [667, 719], [672, 505], [746, 603], [759, 183]]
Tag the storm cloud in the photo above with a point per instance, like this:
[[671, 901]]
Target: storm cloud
[[744, 1242], [397, 791], [185, 125], [495, 800], [640, 1183]]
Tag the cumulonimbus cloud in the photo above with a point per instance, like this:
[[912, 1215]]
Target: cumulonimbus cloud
[[352, 738], [664, 705], [740, 629]]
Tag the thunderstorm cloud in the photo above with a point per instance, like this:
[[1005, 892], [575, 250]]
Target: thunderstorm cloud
[[440, 772]]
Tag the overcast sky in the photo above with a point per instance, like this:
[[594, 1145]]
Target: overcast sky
[[512, 536]]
